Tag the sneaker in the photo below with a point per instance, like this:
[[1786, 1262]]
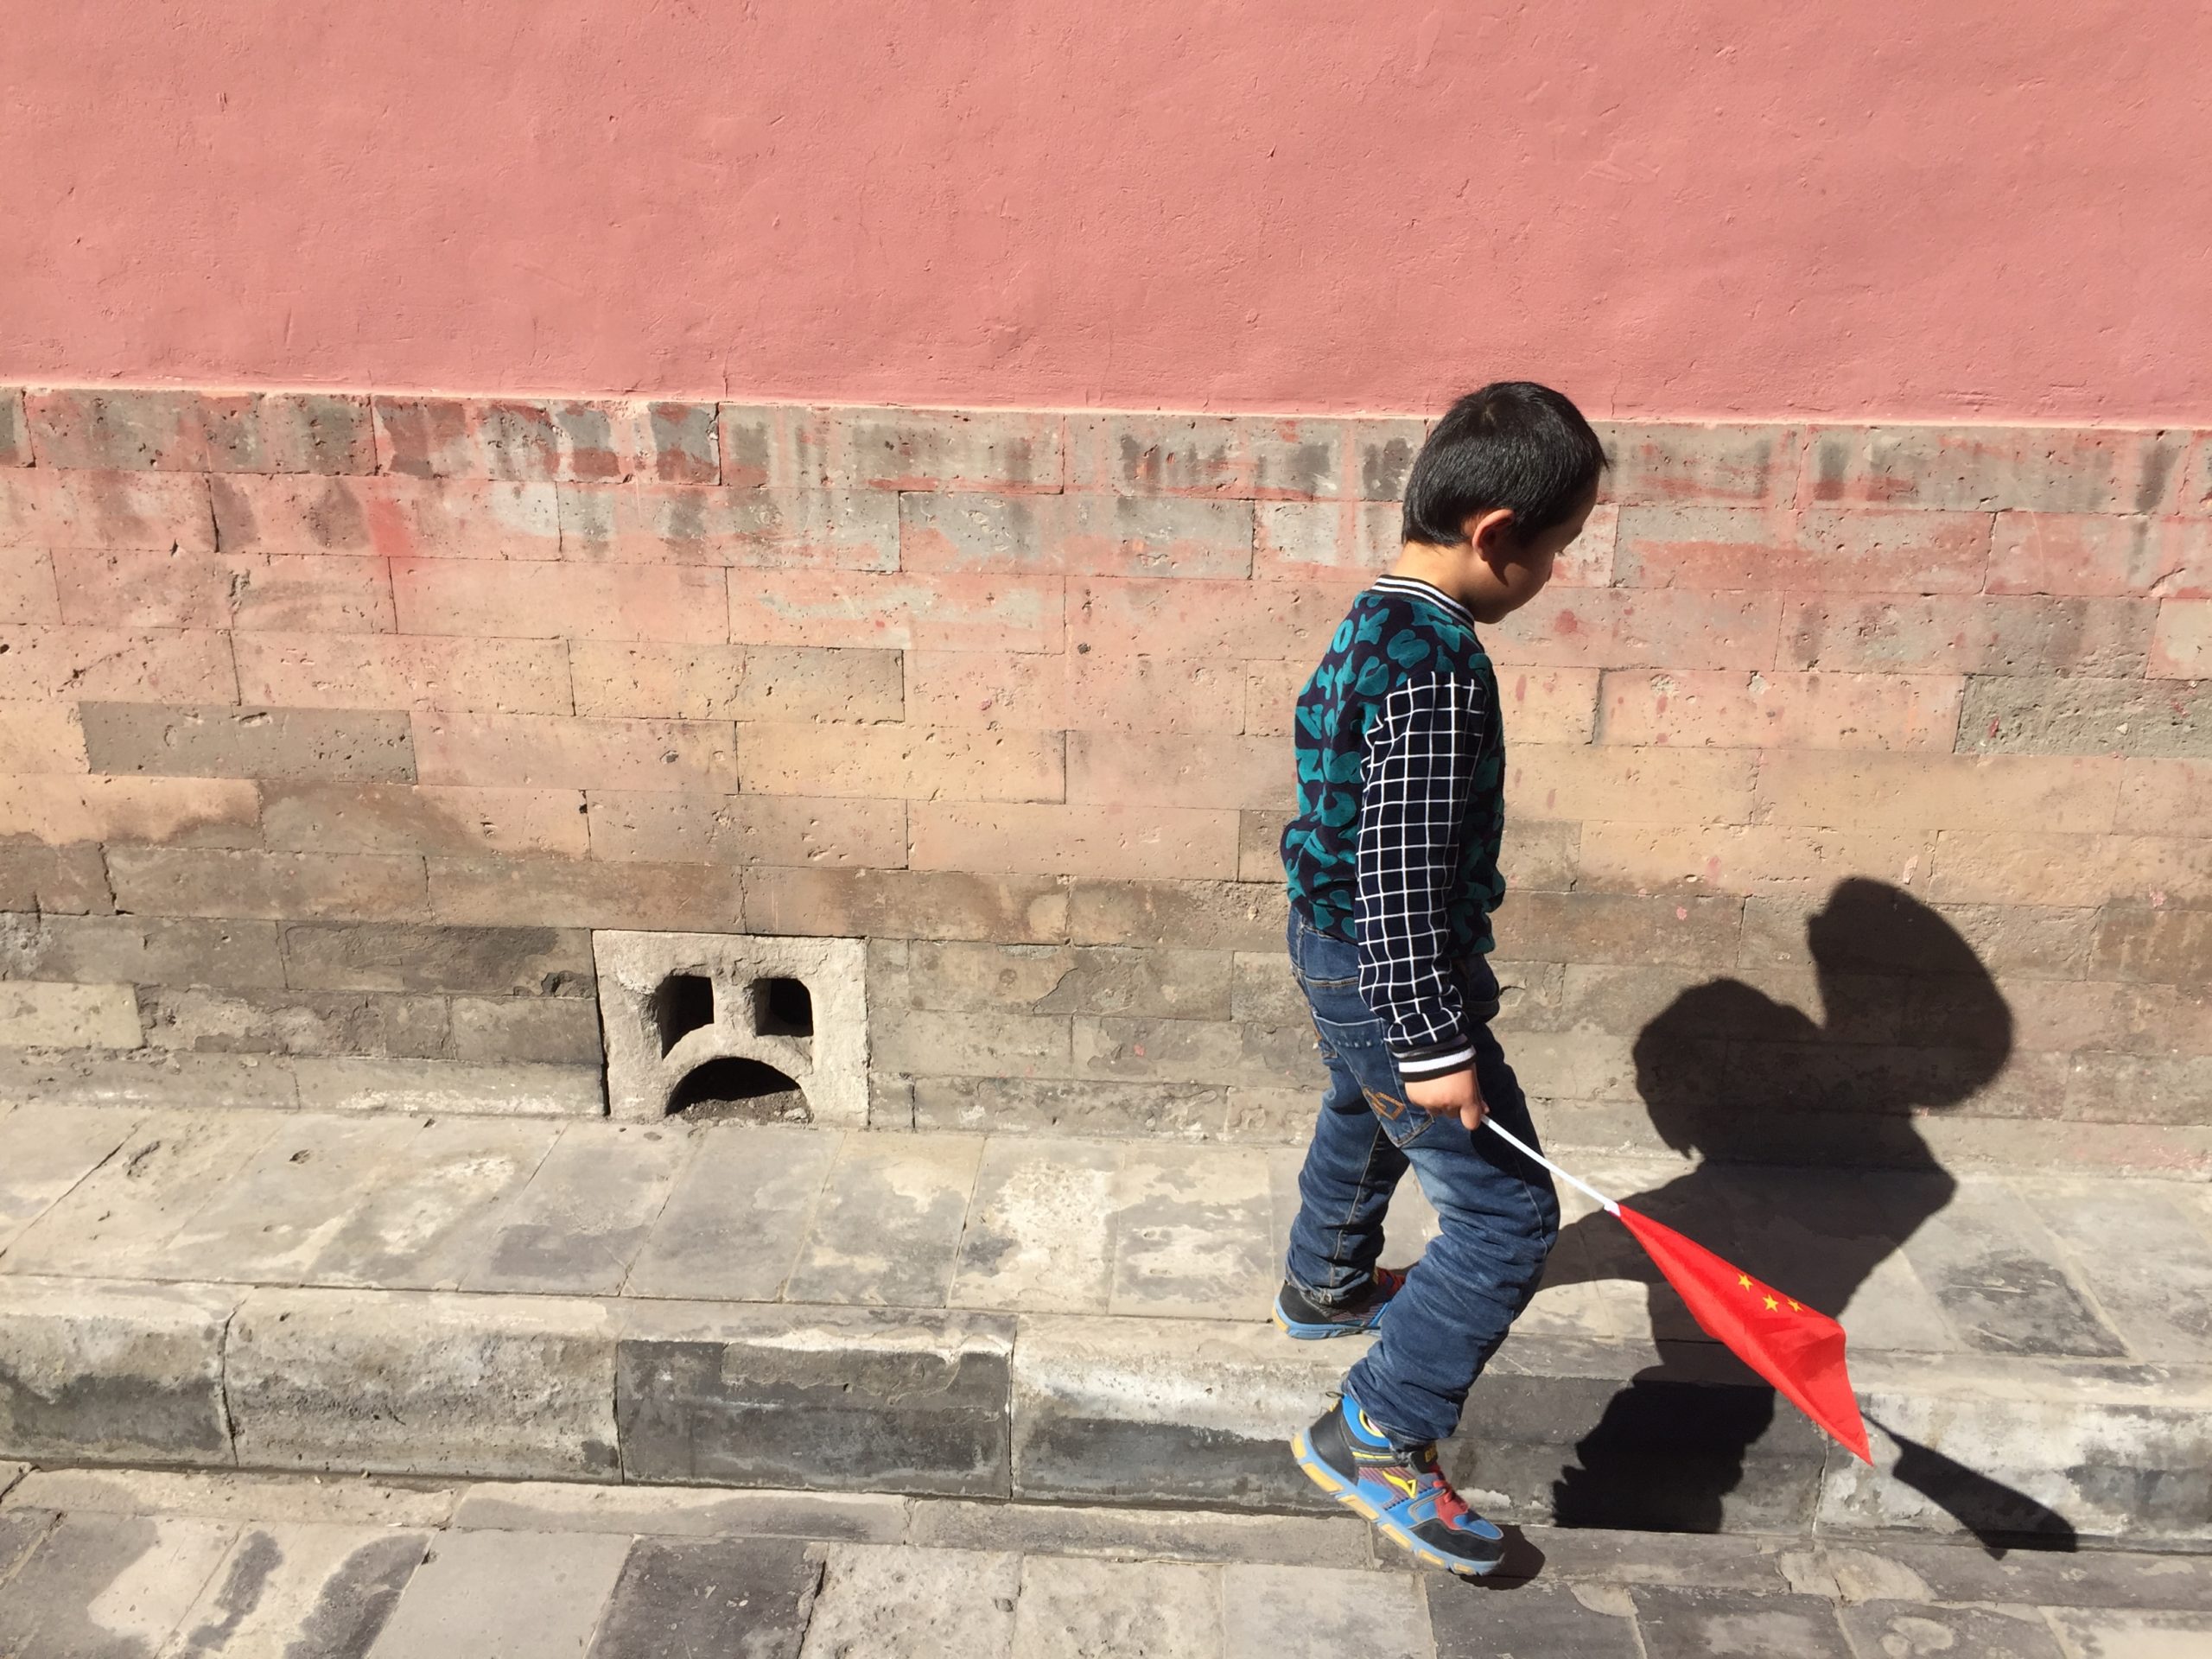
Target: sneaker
[[1302, 1317], [1403, 1492]]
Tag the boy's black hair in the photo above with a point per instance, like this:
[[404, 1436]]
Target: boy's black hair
[[1511, 444]]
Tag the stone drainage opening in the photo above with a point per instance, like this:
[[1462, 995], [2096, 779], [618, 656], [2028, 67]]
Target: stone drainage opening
[[758, 1028], [681, 1004], [734, 1089]]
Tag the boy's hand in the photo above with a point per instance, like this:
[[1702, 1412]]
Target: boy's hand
[[1455, 1092]]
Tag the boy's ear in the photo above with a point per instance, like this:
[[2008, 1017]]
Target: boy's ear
[[1493, 534]]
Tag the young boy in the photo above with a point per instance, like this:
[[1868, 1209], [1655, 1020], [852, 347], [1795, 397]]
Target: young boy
[[1393, 867]]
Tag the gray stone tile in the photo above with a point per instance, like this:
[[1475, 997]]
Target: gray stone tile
[[1530, 1621], [1073, 1608], [421, 1224], [231, 1496], [46, 1150], [117, 1223], [1725, 1624], [1905, 1629], [21, 1531], [2101, 1633], [1709, 1561], [1192, 1233], [887, 1233], [2088, 1578], [1038, 1239], [105, 1587], [733, 1227], [299, 1592], [9, 1474], [554, 1506], [825, 1398], [1154, 1534], [504, 1595], [1993, 1269], [683, 1597], [1288, 1612], [917, 1604], [576, 1228], [2144, 1260]]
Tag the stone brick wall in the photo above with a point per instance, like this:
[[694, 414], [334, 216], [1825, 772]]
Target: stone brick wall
[[330, 726]]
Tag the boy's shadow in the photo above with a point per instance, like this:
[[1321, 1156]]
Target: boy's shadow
[[1730, 1073]]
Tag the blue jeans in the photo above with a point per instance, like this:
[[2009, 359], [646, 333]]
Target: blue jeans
[[1498, 1212]]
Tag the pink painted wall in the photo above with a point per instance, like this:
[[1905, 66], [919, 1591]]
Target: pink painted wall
[[1910, 208]]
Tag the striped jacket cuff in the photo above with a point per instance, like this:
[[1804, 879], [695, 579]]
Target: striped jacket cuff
[[1433, 1059]]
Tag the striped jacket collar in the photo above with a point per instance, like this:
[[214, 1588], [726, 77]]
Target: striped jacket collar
[[1414, 588]]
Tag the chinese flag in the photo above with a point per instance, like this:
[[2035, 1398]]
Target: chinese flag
[[1800, 1351]]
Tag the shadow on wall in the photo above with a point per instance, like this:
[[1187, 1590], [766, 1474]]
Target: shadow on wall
[[1712, 1069]]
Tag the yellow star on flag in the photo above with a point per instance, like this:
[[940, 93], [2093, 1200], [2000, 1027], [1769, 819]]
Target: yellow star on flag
[[1796, 1307], [1744, 1280], [1771, 1304]]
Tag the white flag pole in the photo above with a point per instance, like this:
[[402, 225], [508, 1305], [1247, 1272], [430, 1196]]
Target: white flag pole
[[1528, 1151]]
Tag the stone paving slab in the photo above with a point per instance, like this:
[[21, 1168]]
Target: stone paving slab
[[242, 1576]]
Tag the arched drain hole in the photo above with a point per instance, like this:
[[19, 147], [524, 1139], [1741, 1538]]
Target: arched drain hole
[[681, 1004], [738, 1091], [782, 1008]]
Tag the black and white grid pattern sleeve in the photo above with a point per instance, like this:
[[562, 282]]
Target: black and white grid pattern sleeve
[[1421, 752]]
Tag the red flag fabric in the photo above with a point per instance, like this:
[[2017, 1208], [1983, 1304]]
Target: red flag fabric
[[1800, 1351]]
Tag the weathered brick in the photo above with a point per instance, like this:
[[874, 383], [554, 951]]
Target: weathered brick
[[771, 446], [1196, 1051], [1211, 915], [2105, 1088], [949, 612], [662, 826], [1075, 535], [191, 431], [722, 681], [158, 589], [2101, 556], [2157, 943], [141, 949], [1657, 463], [570, 751], [1864, 790], [414, 818], [930, 1043], [1777, 710], [700, 898], [1605, 927], [2029, 941], [2181, 645], [36, 1015], [1135, 842], [28, 590], [1262, 621], [1267, 457], [219, 740], [1717, 549], [1540, 854], [392, 517], [40, 505], [64, 880], [194, 881], [2014, 866], [1621, 627], [552, 439], [1343, 538], [15, 433], [1062, 979], [1264, 991], [1949, 634], [1738, 858], [2065, 715], [2193, 485], [1194, 770], [39, 737], [416, 956], [884, 449], [2046, 469], [1071, 1106], [773, 530], [2049, 1015], [1271, 695], [915, 762], [1259, 845], [2164, 796], [1019, 691], [200, 1020], [1587, 561], [908, 904], [319, 671], [188, 811], [479, 598], [2162, 1018], [545, 1030], [1651, 786]]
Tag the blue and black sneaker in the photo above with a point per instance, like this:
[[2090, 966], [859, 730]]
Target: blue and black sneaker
[[1402, 1491], [1301, 1316]]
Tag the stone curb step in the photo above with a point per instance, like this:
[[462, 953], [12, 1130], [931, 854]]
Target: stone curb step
[[1058, 1408]]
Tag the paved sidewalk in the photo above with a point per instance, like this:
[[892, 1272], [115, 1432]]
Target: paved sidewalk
[[130, 1564]]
